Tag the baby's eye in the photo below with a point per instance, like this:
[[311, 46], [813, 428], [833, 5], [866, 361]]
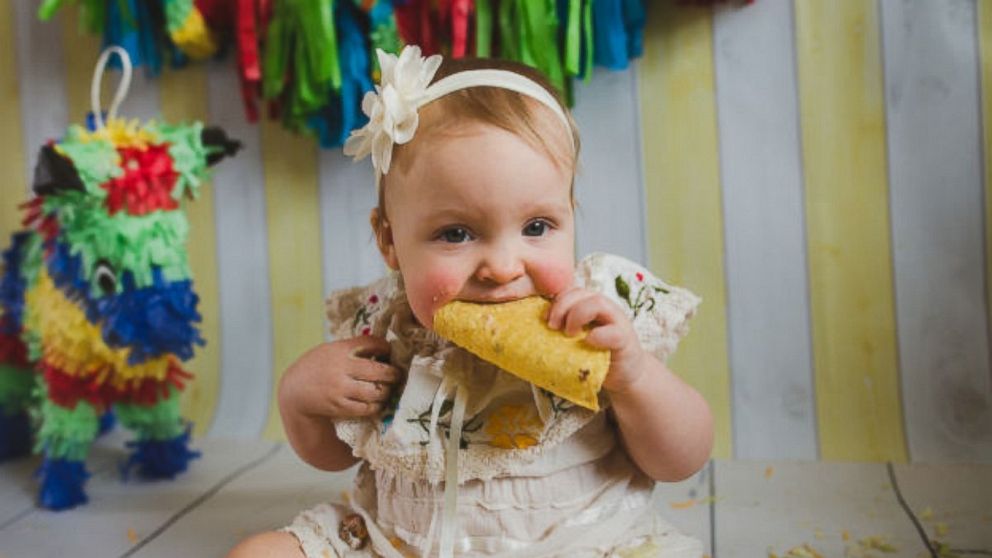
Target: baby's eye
[[455, 235], [537, 227]]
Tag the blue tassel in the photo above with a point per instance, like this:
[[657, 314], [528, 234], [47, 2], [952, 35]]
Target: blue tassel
[[15, 435], [160, 459], [107, 423], [62, 484], [609, 34]]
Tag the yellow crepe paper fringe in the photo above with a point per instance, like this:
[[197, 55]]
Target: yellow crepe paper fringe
[[76, 347]]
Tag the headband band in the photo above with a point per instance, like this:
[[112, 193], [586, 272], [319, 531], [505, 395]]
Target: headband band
[[406, 86]]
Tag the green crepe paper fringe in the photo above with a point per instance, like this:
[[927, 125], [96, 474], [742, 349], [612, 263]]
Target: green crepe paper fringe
[[96, 160], [161, 421], [16, 386], [32, 340], [176, 12], [189, 156], [94, 13], [64, 433], [301, 34], [132, 243]]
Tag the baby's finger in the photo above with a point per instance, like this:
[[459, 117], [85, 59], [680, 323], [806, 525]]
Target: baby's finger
[[562, 303], [372, 371], [368, 347], [585, 312], [610, 336], [353, 408], [373, 392]]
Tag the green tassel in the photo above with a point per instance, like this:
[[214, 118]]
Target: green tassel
[[65, 433], [161, 421]]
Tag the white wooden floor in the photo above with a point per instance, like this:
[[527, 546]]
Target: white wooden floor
[[738, 508]]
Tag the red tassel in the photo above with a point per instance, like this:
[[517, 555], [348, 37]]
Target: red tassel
[[461, 11]]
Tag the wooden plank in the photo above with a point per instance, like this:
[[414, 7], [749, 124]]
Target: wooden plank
[[242, 268], [19, 487], [347, 195], [609, 187], [684, 215], [41, 80], [984, 31], [263, 499], [847, 215], [951, 502], [767, 298], [120, 513], [12, 149], [766, 507], [292, 204], [184, 98], [688, 505], [935, 160]]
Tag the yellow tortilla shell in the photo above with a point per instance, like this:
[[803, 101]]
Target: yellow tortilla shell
[[515, 336]]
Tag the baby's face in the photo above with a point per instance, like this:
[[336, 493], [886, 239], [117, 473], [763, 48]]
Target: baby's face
[[481, 217]]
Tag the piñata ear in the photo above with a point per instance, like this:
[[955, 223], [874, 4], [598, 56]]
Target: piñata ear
[[218, 144], [54, 173]]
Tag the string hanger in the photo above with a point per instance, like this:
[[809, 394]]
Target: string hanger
[[122, 86]]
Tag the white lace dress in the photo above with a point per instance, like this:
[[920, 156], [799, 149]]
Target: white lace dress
[[536, 475]]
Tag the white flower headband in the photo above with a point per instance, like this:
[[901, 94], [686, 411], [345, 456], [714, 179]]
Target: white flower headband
[[405, 87]]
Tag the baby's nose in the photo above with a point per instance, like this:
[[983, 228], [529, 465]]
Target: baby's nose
[[500, 266]]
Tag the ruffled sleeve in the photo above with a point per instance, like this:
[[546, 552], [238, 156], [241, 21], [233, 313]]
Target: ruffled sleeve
[[660, 312], [364, 310]]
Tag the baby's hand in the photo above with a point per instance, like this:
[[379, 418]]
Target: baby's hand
[[576, 308], [342, 379]]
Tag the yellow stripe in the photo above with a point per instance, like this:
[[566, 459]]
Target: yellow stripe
[[80, 51], [685, 220], [985, 63], [184, 98], [13, 190], [847, 212], [291, 199]]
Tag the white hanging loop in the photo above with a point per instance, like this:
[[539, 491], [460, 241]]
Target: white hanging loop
[[122, 86]]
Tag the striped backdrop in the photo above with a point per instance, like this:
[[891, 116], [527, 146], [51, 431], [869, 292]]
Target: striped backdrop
[[817, 170]]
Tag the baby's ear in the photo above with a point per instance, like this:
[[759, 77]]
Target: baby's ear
[[384, 239]]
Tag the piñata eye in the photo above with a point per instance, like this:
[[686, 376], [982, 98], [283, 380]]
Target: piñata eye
[[104, 276]]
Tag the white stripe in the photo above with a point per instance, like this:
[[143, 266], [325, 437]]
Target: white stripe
[[242, 268], [935, 161], [347, 195], [609, 188], [768, 307]]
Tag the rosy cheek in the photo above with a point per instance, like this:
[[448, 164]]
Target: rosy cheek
[[553, 278], [430, 292]]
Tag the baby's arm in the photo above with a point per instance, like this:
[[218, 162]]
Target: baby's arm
[[665, 424], [332, 381]]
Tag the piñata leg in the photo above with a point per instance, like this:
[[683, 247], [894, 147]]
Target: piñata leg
[[16, 385], [64, 439], [161, 450]]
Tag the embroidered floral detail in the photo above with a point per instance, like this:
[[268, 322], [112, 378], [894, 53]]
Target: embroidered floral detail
[[645, 297], [362, 321], [559, 405], [444, 424], [514, 427]]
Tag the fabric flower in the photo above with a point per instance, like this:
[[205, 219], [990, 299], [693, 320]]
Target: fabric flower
[[392, 107]]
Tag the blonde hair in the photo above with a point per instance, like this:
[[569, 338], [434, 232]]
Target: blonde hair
[[495, 106]]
